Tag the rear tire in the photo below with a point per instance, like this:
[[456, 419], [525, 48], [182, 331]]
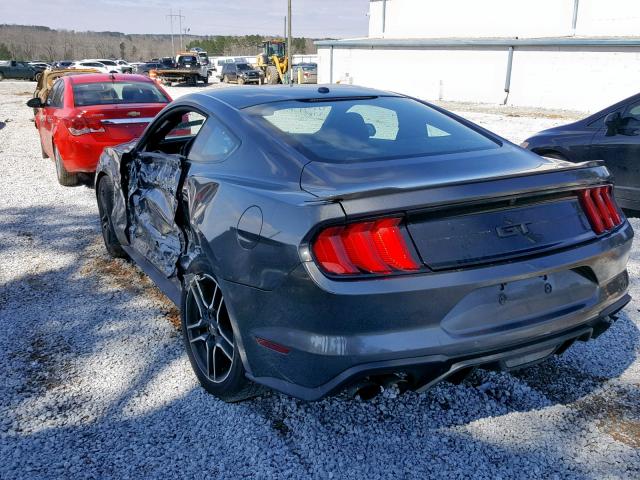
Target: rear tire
[[1, 76], [209, 339], [65, 178], [44, 154], [225, 79], [104, 193]]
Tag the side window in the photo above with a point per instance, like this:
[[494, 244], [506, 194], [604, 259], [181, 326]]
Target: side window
[[599, 122], [189, 126], [633, 111], [174, 134], [55, 95], [383, 121], [214, 144]]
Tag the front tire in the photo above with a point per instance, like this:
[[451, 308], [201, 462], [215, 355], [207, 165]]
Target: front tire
[[225, 79], [273, 78], [104, 192], [65, 178], [209, 338], [1, 76]]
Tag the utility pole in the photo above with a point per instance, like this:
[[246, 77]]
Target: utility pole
[[171, 17], [180, 21], [289, 38], [285, 27]]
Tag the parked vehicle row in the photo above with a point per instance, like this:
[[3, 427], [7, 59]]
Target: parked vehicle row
[[12, 69]]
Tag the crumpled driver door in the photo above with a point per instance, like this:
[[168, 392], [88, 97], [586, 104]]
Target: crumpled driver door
[[154, 180]]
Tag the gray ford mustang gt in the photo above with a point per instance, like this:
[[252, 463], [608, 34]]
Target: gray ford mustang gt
[[332, 237]]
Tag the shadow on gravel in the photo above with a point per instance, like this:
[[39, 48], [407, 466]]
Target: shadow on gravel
[[97, 384]]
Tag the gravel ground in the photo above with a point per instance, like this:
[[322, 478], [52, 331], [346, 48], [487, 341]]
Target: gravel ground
[[95, 382]]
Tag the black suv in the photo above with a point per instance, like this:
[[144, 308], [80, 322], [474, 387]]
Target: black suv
[[241, 73]]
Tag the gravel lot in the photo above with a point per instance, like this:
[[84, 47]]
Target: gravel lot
[[95, 382]]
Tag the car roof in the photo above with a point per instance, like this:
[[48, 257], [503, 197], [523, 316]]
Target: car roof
[[248, 96], [106, 77]]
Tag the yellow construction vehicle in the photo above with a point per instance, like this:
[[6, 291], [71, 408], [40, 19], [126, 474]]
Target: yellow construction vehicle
[[273, 61]]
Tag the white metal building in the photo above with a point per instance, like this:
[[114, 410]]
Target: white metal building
[[572, 54]]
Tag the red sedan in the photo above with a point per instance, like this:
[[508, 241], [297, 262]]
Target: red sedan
[[83, 114]]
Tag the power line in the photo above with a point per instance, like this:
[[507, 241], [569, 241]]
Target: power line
[[179, 16]]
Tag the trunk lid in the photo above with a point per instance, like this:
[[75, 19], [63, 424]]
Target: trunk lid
[[467, 209], [121, 122]]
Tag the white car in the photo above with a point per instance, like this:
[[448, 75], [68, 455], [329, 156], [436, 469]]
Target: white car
[[125, 66], [111, 65], [101, 67]]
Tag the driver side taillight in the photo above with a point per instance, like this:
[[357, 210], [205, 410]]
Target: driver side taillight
[[81, 125], [368, 247], [601, 209]]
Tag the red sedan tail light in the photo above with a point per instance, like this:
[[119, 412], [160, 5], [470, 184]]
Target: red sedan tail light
[[376, 246], [81, 125], [600, 208]]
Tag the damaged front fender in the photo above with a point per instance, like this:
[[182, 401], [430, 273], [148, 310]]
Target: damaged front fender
[[110, 164]]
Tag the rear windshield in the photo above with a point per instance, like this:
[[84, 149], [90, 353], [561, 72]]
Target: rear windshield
[[368, 128], [109, 93]]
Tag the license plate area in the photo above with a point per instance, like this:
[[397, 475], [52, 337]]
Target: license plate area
[[507, 306]]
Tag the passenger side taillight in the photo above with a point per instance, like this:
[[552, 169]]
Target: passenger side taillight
[[601, 209], [376, 246]]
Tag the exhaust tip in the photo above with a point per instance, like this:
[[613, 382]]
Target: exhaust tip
[[368, 391]]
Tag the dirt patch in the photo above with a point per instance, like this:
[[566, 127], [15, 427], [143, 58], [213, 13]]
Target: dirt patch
[[616, 414], [122, 275]]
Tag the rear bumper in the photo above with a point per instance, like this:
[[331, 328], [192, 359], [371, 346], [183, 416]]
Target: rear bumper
[[427, 325], [81, 153], [432, 369]]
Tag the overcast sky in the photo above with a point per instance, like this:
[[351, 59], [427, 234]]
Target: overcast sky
[[312, 18]]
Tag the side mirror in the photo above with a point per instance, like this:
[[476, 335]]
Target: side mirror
[[35, 103], [612, 122]]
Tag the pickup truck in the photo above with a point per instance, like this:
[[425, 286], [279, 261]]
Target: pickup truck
[[187, 68], [19, 70]]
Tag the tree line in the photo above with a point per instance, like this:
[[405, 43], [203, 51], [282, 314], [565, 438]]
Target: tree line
[[26, 43], [246, 45]]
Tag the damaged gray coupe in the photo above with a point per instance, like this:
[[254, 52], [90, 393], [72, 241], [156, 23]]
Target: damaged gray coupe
[[324, 238]]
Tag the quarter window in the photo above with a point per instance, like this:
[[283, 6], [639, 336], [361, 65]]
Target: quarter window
[[214, 144]]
